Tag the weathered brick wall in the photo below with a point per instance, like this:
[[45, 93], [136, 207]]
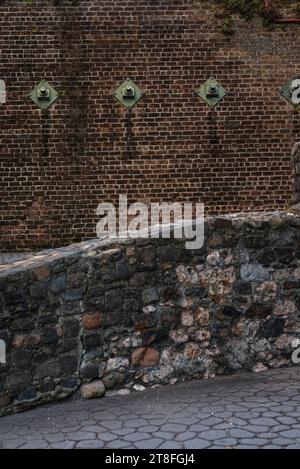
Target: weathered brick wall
[[56, 167], [121, 316]]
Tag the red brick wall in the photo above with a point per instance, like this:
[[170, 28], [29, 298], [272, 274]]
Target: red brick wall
[[56, 167]]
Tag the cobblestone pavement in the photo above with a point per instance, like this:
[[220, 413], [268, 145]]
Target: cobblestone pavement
[[257, 410]]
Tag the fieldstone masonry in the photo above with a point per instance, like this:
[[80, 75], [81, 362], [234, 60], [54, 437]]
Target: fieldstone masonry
[[111, 316]]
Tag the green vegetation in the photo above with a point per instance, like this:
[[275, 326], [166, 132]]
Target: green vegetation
[[247, 10]]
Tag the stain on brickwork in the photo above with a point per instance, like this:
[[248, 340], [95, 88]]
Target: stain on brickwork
[[67, 161]]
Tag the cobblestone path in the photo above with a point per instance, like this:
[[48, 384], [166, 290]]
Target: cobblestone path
[[257, 410]]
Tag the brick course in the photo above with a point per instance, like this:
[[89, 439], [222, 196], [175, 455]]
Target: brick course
[[57, 166]]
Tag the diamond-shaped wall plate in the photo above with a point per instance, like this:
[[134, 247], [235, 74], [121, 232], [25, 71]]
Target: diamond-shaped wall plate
[[212, 92], [43, 95], [291, 91], [128, 94]]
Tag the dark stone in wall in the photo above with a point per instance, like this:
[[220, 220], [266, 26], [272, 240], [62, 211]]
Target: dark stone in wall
[[89, 372], [27, 395], [69, 345], [58, 284], [49, 335], [71, 328], [122, 270], [49, 368], [272, 327], [68, 364], [69, 383], [231, 312], [260, 309], [242, 287], [92, 341], [21, 359], [113, 300]]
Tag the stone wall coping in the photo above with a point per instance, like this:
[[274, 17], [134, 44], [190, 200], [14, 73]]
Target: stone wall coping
[[91, 247]]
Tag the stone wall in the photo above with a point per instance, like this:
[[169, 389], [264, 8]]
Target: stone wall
[[57, 166], [114, 316]]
